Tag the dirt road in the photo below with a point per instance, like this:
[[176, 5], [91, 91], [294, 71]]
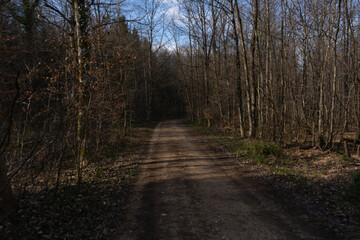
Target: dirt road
[[186, 190]]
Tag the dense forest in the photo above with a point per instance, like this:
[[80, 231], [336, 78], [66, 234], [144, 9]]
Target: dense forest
[[70, 70], [283, 71]]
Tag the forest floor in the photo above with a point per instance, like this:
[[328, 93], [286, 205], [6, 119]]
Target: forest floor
[[188, 182], [191, 187], [91, 210], [324, 184]]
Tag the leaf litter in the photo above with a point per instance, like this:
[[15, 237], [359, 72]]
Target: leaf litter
[[319, 182], [91, 210]]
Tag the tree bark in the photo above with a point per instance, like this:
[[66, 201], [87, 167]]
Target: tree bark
[[238, 69], [246, 69], [254, 82], [81, 22], [334, 77]]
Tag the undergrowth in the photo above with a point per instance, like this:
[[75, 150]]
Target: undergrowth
[[91, 210], [270, 155], [256, 150]]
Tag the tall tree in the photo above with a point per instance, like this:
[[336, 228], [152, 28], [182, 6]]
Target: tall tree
[[82, 50]]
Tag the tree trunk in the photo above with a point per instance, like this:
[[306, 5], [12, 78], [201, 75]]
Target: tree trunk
[[238, 71], [246, 68], [334, 80], [8, 201], [81, 21], [254, 82]]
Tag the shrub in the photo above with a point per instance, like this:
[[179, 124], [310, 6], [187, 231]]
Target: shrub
[[264, 149]]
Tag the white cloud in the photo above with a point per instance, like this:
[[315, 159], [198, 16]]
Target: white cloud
[[172, 9], [171, 47]]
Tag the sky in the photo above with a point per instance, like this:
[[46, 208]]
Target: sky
[[168, 13], [173, 9]]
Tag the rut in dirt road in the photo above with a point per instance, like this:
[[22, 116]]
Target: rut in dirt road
[[186, 190]]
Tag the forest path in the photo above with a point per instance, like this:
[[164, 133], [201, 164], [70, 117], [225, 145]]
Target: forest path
[[185, 190]]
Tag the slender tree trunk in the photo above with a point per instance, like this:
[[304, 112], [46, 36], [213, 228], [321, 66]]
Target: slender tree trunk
[[320, 133], [282, 77], [254, 82], [81, 22], [8, 201], [246, 70], [268, 73], [334, 77], [238, 70], [149, 83]]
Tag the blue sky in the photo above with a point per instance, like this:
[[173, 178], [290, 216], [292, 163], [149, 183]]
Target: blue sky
[[167, 13]]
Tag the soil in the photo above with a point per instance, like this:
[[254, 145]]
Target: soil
[[186, 190]]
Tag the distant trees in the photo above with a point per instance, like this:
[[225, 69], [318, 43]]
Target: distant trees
[[292, 63]]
